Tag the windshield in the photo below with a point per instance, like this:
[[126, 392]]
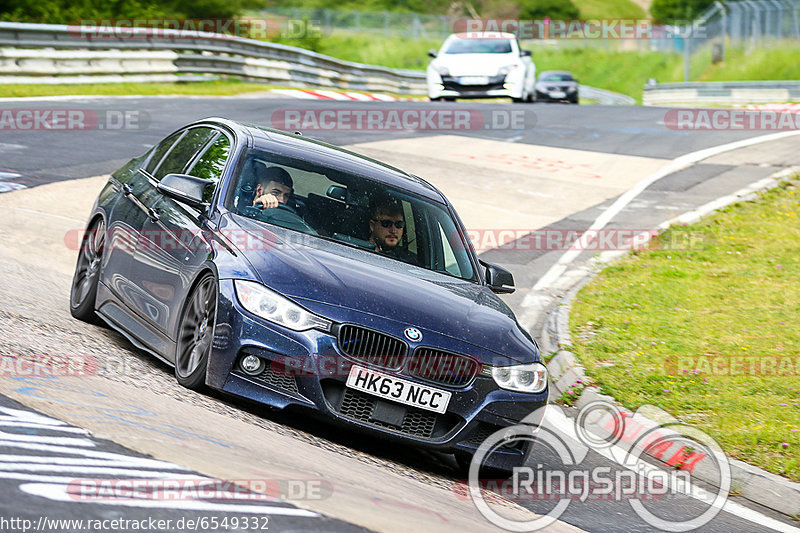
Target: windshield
[[557, 77], [478, 46], [358, 212]]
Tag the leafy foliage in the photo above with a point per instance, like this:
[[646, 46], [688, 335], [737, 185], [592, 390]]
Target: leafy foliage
[[676, 11], [552, 9], [73, 11]]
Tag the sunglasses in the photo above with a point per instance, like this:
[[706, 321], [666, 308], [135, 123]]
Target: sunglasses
[[399, 224]]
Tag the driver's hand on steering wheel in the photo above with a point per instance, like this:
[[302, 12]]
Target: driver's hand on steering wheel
[[267, 200]]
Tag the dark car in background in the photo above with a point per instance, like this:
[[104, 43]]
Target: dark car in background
[[557, 86], [292, 306]]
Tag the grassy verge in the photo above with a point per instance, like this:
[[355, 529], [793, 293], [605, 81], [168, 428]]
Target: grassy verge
[[704, 325], [604, 9]]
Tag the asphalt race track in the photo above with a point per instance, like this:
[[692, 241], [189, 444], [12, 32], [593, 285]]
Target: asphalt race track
[[514, 169]]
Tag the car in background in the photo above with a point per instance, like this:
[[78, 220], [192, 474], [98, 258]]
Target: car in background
[[293, 306], [557, 86], [481, 65]]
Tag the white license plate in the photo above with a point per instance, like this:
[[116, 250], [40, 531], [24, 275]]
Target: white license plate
[[398, 390], [473, 80], [558, 94]]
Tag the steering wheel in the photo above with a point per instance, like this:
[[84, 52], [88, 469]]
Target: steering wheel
[[283, 215]]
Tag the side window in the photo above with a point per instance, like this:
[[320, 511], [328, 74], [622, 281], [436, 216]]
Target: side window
[[160, 150], [183, 151], [211, 164]]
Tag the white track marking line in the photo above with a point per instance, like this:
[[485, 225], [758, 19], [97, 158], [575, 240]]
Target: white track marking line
[[681, 162], [295, 93], [558, 421]]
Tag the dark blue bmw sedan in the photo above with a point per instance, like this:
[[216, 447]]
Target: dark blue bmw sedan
[[297, 274]]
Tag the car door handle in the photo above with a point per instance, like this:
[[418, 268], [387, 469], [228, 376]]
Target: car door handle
[[127, 190], [153, 214]]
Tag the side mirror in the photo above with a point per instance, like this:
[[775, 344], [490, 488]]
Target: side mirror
[[498, 278], [184, 188], [525, 53], [337, 192], [432, 53]]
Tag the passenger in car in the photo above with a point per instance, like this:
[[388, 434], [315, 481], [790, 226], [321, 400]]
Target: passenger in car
[[386, 227], [275, 186]]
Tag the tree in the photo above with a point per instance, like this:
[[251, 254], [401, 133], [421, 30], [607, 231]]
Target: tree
[[552, 9], [678, 11]]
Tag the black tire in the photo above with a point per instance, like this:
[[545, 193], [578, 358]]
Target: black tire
[[83, 292], [196, 334]]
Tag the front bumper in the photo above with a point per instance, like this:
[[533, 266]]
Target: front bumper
[[308, 370], [498, 86]]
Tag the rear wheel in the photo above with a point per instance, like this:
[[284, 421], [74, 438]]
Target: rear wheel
[[196, 334], [83, 292]]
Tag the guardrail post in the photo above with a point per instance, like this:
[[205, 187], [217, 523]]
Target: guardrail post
[[687, 55]]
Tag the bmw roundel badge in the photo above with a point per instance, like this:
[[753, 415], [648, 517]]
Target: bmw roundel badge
[[413, 334]]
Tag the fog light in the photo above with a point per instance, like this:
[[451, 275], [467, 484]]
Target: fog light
[[251, 365]]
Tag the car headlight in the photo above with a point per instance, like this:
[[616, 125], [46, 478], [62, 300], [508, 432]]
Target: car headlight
[[521, 378], [442, 70], [506, 69], [571, 89], [271, 306]]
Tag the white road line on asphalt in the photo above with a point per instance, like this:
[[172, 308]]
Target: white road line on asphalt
[[679, 163], [10, 186], [60, 493], [558, 421]]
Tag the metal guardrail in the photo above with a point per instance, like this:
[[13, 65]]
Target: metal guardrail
[[601, 96], [55, 50], [47, 53], [721, 93]]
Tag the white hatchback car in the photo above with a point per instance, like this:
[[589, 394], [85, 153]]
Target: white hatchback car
[[481, 65]]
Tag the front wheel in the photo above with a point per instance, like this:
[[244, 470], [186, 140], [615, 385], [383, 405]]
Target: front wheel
[[196, 334], [83, 292]]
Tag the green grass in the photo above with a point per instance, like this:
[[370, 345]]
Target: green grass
[[724, 291], [604, 9], [622, 72], [779, 62], [393, 52]]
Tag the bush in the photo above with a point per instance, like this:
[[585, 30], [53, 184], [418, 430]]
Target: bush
[[552, 9]]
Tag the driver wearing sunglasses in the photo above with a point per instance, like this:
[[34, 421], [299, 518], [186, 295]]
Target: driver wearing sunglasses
[[386, 227]]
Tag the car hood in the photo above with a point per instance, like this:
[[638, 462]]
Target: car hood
[[308, 268], [475, 64]]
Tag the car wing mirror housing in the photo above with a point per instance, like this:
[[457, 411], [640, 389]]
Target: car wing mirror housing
[[432, 53], [184, 188], [498, 278], [525, 53]]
